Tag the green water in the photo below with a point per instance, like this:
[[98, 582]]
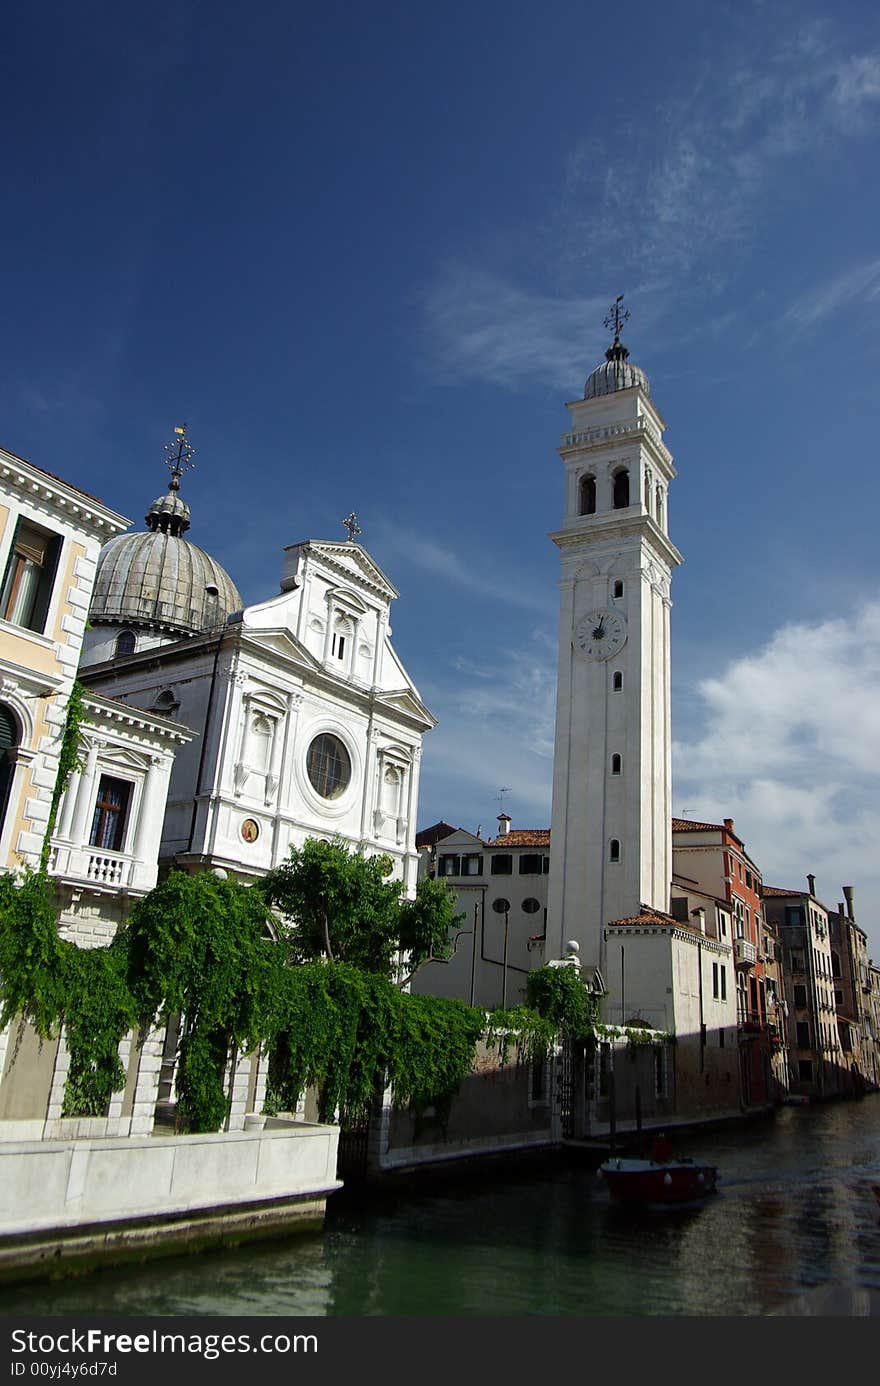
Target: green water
[[794, 1228]]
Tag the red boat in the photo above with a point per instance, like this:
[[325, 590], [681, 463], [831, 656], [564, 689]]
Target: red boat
[[658, 1181]]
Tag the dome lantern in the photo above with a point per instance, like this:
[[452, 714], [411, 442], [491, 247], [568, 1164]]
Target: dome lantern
[[159, 581], [616, 372]]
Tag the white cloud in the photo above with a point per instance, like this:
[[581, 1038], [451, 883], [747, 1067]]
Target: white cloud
[[672, 204], [483, 326], [790, 748], [860, 282]]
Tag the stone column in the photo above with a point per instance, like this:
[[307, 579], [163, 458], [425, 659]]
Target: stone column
[[85, 797]]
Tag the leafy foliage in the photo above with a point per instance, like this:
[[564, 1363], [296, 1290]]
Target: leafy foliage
[[68, 761], [209, 950], [49, 980], [560, 997], [341, 906]]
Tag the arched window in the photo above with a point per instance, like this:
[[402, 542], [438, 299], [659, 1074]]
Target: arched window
[[648, 491], [166, 704], [587, 496], [616, 764], [10, 735], [617, 589], [621, 489], [614, 850], [660, 506], [126, 642], [617, 682]]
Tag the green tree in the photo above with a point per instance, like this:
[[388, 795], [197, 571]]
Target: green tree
[[342, 906]]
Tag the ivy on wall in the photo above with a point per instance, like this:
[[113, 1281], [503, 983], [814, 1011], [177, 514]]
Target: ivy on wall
[[209, 949], [68, 761]]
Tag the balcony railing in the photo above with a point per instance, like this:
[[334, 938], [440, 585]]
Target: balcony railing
[[85, 864], [744, 951]]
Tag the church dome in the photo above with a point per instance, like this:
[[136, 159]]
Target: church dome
[[159, 579], [616, 372]]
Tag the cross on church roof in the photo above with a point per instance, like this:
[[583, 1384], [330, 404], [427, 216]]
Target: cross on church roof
[[179, 454], [351, 524], [617, 317]]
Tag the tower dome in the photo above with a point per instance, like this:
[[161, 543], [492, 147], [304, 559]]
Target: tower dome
[[616, 372], [159, 581]]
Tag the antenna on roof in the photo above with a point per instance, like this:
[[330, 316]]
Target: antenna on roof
[[505, 789]]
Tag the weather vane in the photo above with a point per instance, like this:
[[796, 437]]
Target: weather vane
[[351, 524], [617, 317], [179, 454]]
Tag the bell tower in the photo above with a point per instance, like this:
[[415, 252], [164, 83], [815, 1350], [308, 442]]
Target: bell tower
[[611, 837]]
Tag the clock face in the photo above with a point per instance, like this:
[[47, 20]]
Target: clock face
[[600, 634]]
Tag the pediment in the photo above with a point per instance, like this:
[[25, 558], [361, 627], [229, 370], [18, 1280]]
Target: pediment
[[405, 701], [118, 758], [460, 838], [354, 563], [281, 643]]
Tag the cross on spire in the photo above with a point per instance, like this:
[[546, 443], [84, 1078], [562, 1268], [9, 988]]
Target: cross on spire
[[179, 454], [617, 317], [351, 524]]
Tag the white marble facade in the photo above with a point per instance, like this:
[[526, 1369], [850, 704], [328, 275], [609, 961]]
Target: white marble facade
[[306, 723]]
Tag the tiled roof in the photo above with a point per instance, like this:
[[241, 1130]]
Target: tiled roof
[[775, 890], [649, 916], [428, 836], [521, 837], [688, 825]]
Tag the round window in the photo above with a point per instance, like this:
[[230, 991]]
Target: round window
[[531, 906], [329, 766], [501, 906]]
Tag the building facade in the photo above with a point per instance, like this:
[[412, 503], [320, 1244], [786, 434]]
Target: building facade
[[612, 756], [306, 723], [501, 889], [802, 927]]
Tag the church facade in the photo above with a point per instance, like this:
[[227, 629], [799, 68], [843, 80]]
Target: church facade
[[306, 723]]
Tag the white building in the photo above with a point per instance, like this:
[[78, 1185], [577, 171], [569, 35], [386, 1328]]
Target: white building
[[306, 722], [104, 847], [612, 760], [501, 889]]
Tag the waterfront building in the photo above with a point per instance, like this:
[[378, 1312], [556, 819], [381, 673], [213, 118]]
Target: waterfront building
[[501, 889], [851, 973], [50, 536], [306, 723], [101, 847], [713, 855], [801, 925]]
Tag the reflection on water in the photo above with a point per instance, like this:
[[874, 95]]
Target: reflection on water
[[794, 1229]]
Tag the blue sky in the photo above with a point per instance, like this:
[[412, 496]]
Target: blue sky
[[366, 251]]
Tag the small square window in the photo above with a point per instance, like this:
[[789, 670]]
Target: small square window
[[530, 864]]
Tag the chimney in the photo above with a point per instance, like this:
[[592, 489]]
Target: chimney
[[811, 882], [503, 824], [700, 916], [848, 897], [728, 823]]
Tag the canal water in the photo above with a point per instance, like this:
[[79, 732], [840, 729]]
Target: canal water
[[794, 1229]]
